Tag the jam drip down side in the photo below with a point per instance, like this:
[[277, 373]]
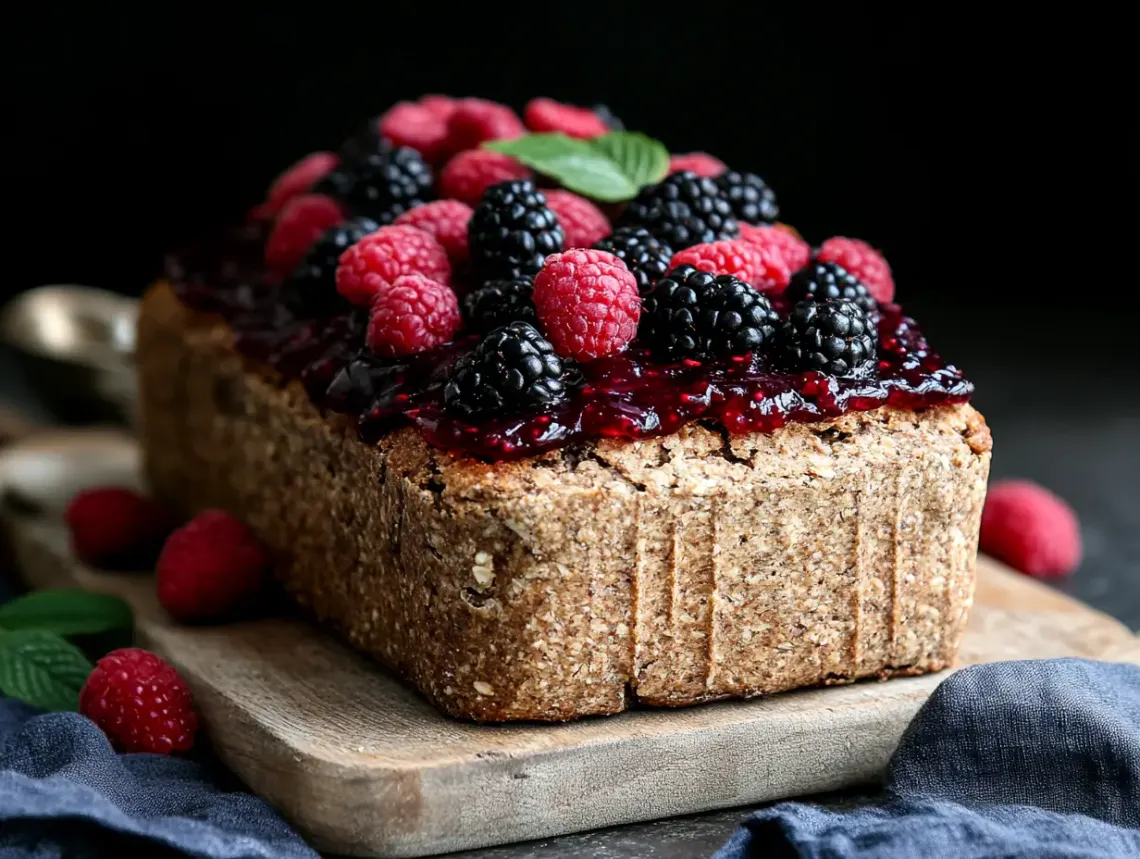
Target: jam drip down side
[[629, 395]]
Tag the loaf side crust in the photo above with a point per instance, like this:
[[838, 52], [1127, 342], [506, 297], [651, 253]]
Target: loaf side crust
[[670, 571]]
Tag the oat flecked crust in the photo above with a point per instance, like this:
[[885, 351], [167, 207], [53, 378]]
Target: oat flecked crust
[[671, 571]]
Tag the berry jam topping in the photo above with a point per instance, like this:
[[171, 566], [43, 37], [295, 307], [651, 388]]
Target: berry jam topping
[[628, 395]]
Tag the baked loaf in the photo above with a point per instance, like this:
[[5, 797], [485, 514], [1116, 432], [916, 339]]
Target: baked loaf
[[695, 566]]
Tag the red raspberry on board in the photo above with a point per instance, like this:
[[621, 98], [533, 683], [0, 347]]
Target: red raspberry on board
[[115, 528], [476, 121], [582, 221], [587, 302], [700, 163], [441, 105], [546, 114], [795, 252], [301, 222], [409, 124], [1031, 529], [762, 268], [863, 261], [447, 221], [140, 703], [210, 568], [468, 174], [296, 180], [412, 315], [374, 263]]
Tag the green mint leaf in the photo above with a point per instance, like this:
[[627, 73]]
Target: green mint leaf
[[42, 669], [578, 165], [66, 612], [643, 160]]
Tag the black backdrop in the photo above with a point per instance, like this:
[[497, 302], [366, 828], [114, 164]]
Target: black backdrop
[[978, 153]]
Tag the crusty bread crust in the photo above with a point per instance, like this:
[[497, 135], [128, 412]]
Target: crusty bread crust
[[681, 569]]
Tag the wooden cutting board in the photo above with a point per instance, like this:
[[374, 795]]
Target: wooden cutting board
[[363, 766]]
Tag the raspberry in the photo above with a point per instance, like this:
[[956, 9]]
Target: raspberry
[[447, 221], [301, 222], [759, 267], [476, 121], [546, 114], [298, 179], [794, 251], [374, 262], [140, 703], [115, 528], [863, 261], [441, 105], [210, 568], [410, 124], [1031, 529], [700, 163], [412, 315], [582, 221], [587, 302], [467, 175]]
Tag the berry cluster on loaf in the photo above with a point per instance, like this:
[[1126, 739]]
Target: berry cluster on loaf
[[484, 294]]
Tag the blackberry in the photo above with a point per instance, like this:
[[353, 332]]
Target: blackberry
[[834, 337], [512, 231], [682, 210], [381, 185], [607, 116], [364, 141], [694, 314], [827, 281], [513, 369], [642, 254], [751, 199], [311, 288], [500, 302]]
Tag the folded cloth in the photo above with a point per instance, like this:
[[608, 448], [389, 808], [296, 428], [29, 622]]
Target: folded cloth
[[1018, 760], [64, 792]]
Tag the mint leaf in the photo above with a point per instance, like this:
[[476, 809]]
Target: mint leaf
[[42, 669], [610, 168], [643, 160], [576, 164], [66, 612]]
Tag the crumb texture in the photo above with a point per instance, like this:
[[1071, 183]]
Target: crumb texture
[[670, 571]]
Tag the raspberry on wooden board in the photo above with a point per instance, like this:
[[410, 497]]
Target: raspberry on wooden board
[[140, 703]]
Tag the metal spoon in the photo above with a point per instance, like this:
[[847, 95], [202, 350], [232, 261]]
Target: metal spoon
[[76, 344]]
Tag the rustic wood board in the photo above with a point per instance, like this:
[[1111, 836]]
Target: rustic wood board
[[363, 766]]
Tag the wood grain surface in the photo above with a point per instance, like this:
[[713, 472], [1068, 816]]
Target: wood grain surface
[[363, 766]]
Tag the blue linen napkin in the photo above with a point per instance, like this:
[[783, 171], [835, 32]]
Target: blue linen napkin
[[65, 793], [1018, 760]]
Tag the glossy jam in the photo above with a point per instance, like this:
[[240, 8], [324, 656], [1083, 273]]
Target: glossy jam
[[628, 396]]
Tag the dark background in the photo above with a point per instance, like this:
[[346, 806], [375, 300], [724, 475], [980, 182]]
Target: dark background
[[992, 159]]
